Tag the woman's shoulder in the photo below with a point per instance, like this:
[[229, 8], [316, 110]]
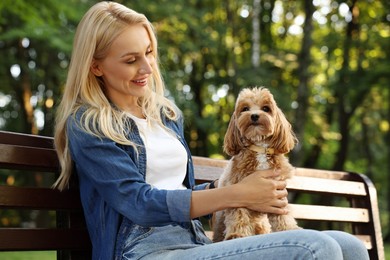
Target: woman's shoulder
[[77, 120]]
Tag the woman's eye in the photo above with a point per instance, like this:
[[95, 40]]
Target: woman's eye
[[131, 61], [266, 109], [149, 51]]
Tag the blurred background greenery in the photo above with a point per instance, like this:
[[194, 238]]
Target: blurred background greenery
[[326, 61]]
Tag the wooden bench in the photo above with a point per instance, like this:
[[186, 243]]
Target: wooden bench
[[343, 201], [35, 157], [320, 199]]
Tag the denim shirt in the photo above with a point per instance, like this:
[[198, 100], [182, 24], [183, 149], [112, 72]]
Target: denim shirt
[[113, 189]]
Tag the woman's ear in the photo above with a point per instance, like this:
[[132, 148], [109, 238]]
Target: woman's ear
[[95, 68]]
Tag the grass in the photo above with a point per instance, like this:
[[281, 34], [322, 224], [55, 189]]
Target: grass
[[39, 255], [387, 251]]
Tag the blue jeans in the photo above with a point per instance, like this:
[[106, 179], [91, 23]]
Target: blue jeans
[[176, 242]]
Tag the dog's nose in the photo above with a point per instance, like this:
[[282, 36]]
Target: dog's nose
[[255, 117]]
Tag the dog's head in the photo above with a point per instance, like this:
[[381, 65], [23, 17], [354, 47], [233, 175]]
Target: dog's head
[[257, 119]]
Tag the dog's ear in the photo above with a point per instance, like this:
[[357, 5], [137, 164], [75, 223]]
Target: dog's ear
[[232, 143], [283, 139]]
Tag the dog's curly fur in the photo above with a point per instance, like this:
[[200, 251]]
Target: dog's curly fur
[[256, 125]]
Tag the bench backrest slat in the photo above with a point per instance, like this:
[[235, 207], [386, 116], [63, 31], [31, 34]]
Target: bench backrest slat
[[26, 140], [32, 158], [39, 198], [332, 186], [25, 239], [329, 213]]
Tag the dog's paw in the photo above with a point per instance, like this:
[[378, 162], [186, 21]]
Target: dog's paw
[[296, 227], [232, 236]]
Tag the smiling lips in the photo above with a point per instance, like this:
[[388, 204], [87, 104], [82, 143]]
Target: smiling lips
[[140, 82]]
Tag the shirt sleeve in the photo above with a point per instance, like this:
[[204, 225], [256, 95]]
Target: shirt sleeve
[[200, 186], [109, 171]]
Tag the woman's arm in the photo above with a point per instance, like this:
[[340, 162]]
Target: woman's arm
[[256, 192]]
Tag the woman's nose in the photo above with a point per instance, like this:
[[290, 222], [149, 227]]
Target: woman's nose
[[146, 67]]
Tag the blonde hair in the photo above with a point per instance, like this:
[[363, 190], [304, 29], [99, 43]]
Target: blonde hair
[[95, 33]]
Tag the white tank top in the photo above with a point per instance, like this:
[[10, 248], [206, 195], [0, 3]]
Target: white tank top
[[166, 157]]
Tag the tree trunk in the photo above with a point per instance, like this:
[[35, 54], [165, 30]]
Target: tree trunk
[[256, 33], [342, 91], [303, 76], [23, 93]]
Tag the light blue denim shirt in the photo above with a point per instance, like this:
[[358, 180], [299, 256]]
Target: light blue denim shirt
[[113, 190]]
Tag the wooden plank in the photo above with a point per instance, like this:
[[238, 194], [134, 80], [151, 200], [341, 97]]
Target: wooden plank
[[21, 139], [32, 158], [318, 173], [366, 239], [39, 198], [375, 229], [207, 173], [210, 169], [12, 239], [219, 163], [300, 183], [330, 213]]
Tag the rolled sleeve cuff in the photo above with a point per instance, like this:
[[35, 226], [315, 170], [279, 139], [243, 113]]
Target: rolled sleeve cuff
[[179, 204]]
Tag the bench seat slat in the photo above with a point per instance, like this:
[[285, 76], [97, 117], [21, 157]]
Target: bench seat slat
[[43, 239], [329, 213], [39, 198]]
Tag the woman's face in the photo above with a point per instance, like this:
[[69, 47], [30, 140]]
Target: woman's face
[[127, 67]]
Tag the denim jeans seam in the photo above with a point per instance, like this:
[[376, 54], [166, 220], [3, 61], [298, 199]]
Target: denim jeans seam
[[248, 250], [143, 235]]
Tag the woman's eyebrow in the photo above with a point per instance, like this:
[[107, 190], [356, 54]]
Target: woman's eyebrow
[[133, 53], [129, 54]]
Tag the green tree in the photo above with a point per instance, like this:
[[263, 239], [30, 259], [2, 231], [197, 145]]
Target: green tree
[[35, 43], [326, 62]]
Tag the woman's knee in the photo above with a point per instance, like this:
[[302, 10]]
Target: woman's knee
[[293, 244], [320, 245], [351, 246]]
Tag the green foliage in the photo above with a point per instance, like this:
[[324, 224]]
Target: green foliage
[[39, 255], [206, 50]]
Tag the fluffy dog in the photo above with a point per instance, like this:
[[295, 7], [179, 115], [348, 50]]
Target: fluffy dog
[[258, 137]]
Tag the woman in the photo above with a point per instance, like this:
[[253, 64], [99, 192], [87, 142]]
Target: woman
[[124, 140]]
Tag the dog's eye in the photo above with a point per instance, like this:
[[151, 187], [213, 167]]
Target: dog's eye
[[266, 108], [244, 109]]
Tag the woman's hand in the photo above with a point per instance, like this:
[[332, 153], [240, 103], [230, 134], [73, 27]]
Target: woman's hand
[[260, 192], [257, 191]]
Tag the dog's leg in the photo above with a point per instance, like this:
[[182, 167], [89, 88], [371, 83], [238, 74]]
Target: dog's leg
[[242, 223], [218, 226], [237, 223], [282, 222], [261, 223]]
